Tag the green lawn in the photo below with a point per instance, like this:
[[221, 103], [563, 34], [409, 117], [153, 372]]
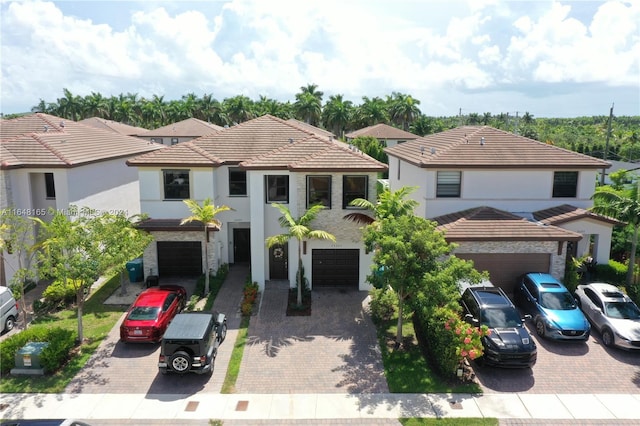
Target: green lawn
[[406, 368]]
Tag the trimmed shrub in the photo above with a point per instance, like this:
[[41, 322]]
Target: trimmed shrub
[[613, 272], [438, 344], [383, 304], [60, 293]]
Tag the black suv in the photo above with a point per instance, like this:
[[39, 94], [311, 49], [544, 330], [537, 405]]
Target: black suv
[[509, 343], [191, 342]]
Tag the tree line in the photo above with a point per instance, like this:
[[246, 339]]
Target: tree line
[[585, 135]]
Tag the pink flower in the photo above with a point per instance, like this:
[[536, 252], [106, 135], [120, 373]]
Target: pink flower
[[447, 326], [467, 340], [458, 331], [488, 332], [463, 353], [472, 354], [469, 331]]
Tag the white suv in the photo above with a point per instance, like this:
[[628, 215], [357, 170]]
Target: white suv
[[8, 309]]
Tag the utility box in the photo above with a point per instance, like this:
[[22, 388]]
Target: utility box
[[136, 273], [28, 359]]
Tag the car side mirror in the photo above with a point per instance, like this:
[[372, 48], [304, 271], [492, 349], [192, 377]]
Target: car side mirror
[[526, 317], [597, 309]]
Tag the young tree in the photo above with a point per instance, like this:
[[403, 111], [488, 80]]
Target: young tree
[[301, 230], [390, 204], [624, 205], [122, 242], [18, 237], [70, 251], [205, 214]]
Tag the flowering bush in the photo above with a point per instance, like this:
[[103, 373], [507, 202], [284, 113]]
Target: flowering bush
[[249, 296], [468, 338]]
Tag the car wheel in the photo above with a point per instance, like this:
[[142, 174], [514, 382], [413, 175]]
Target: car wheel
[[607, 337], [9, 324], [223, 332], [180, 362], [540, 329]]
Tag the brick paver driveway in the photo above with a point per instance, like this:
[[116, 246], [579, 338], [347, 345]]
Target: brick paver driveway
[[569, 367], [334, 350]]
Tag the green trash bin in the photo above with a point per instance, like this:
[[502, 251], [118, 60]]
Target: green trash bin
[[136, 273]]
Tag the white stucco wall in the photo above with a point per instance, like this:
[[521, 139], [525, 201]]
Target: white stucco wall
[[588, 227]]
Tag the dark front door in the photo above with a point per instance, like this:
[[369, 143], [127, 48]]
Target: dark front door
[[278, 263], [241, 245]]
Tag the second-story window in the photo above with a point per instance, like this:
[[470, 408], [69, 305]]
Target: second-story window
[[237, 182], [319, 191], [49, 186], [174, 141], [448, 185], [353, 187], [277, 189], [565, 184], [176, 184]]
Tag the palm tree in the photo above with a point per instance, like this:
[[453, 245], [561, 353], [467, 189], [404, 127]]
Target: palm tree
[[336, 114], [403, 109], [308, 108], [238, 109], [370, 112], [70, 106], [389, 204], [300, 230], [206, 214], [623, 205]]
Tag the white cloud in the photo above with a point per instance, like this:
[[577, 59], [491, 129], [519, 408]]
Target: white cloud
[[356, 47]]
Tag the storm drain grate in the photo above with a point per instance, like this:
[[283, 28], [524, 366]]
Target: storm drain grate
[[242, 405], [192, 406]]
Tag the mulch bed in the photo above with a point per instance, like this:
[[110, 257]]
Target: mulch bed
[[293, 309]]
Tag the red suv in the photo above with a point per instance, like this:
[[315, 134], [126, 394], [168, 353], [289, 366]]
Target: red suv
[[148, 317]]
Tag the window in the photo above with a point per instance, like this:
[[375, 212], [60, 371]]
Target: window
[[176, 184], [448, 184], [353, 187], [565, 184], [49, 185], [319, 191], [277, 189], [237, 182], [156, 140], [174, 141]]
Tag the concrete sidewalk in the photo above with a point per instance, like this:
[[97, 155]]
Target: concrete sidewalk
[[353, 408]]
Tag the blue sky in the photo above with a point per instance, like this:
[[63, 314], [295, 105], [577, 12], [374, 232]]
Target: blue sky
[[548, 58]]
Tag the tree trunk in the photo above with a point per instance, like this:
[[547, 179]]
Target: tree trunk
[[299, 275], [206, 262], [399, 325], [632, 256], [80, 304]]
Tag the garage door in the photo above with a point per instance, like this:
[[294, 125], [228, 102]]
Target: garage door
[[179, 258], [335, 268], [504, 268]]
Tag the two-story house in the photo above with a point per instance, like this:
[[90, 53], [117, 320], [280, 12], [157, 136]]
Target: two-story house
[[182, 131], [48, 162], [248, 167], [512, 204], [387, 135]]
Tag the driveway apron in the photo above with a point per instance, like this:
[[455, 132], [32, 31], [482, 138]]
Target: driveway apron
[[334, 350]]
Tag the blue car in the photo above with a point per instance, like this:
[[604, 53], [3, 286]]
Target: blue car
[[553, 309]]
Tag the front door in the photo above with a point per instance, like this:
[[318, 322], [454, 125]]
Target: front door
[[278, 263], [241, 245]]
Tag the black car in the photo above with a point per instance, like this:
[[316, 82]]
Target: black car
[[191, 343], [509, 343]]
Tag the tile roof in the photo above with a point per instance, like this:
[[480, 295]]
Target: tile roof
[[49, 141], [382, 131], [313, 129], [490, 224], [568, 213], [462, 148], [315, 154], [189, 128], [266, 142], [114, 126]]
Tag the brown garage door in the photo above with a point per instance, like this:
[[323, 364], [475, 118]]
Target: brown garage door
[[335, 268], [504, 268], [179, 258]]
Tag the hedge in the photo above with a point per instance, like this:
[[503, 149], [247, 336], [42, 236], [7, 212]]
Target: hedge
[[60, 341]]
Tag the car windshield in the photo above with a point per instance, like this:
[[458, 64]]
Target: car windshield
[[623, 310], [500, 317], [561, 301], [144, 313]]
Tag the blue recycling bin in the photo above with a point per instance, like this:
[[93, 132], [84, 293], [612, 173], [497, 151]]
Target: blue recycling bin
[[136, 273]]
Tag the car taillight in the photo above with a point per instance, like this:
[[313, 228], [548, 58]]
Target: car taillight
[[203, 358], [162, 358]]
